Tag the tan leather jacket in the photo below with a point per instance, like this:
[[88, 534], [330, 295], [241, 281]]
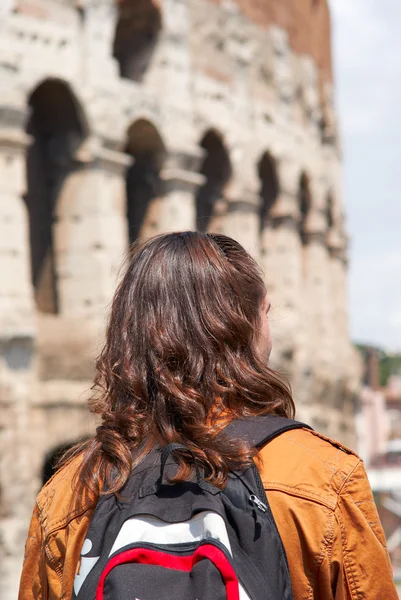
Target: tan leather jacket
[[320, 498]]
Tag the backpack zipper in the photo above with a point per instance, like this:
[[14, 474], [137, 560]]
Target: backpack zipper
[[178, 548], [258, 503]]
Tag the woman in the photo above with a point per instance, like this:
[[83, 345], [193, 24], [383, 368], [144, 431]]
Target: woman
[[186, 351]]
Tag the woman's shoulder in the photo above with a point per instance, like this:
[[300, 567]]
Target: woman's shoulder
[[58, 501], [307, 464]]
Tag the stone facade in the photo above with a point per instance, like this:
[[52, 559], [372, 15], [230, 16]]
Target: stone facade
[[122, 120]]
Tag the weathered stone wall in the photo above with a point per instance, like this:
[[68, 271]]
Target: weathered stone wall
[[119, 122], [306, 22]]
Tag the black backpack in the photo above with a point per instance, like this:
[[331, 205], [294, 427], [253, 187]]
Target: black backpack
[[188, 540]]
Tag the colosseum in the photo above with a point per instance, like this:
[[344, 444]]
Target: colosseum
[[120, 120]]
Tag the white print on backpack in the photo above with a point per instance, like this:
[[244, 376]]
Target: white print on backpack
[[87, 565], [204, 525], [149, 529]]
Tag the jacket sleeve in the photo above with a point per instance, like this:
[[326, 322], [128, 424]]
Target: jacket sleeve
[[360, 565], [33, 578]]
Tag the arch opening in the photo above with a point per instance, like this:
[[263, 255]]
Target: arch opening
[[53, 456], [57, 127], [329, 212], [304, 205], [143, 181], [217, 170], [269, 187], [136, 36]]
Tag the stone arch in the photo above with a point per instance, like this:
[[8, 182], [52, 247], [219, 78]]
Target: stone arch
[[327, 123], [332, 225], [304, 205], [53, 456], [57, 126], [269, 187], [137, 31], [143, 182], [217, 170], [329, 211]]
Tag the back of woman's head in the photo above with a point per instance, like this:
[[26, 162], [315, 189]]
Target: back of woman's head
[[181, 353]]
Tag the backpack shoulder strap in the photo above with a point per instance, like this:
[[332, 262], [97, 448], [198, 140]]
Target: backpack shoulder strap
[[260, 430]]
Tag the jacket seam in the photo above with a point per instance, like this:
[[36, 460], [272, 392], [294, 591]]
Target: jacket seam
[[43, 579], [300, 493], [335, 470], [372, 524], [348, 564], [348, 477], [49, 555], [326, 463], [330, 540], [328, 543], [334, 443], [51, 560], [61, 523]]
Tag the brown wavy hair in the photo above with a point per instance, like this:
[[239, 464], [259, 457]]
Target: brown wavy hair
[[180, 354]]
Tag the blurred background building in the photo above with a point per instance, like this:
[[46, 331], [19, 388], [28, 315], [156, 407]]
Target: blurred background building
[[120, 120], [378, 421]]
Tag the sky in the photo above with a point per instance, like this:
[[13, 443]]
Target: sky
[[367, 62]]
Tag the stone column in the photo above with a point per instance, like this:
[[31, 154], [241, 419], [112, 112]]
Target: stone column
[[338, 264], [90, 232], [95, 39], [170, 70], [17, 337], [318, 307], [337, 245], [180, 179], [16, 298], [243, 220], [280, 258], [349, 363]]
